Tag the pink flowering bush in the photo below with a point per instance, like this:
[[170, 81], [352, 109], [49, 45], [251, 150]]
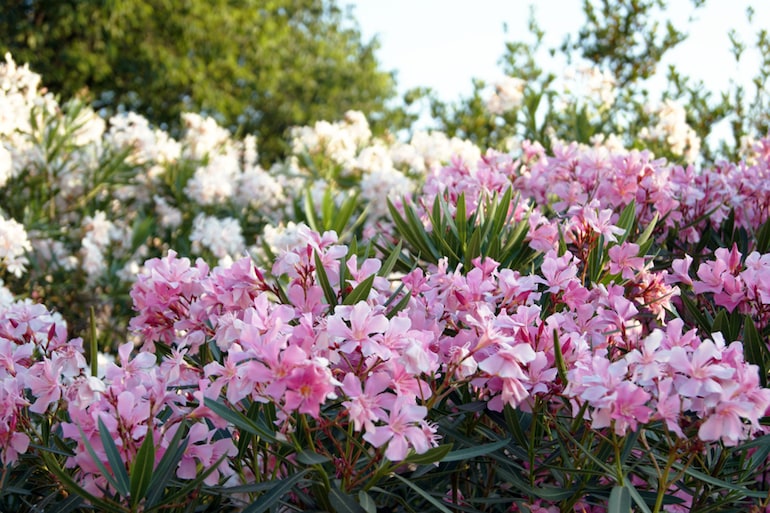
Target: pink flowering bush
[[581, 329]]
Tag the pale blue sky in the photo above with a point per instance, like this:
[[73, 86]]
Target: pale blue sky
[[444, 43]]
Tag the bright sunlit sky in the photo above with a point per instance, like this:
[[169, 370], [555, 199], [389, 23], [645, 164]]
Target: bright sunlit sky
[[443, 44]]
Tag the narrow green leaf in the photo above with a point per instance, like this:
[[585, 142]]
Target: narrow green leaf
[[620, 500], [327, 209], [93, 344], [647, 233], [722, 324], [513, 419], [390, 262], [756, 349], [72, 486], [308, 457], [626, 221], [141, 469], [432, 455], [114, 459], [403, 302], [323, 280], [166, 469], [474, 452], [425, 495], [310, 214], [360, 292], [762, 237], [366, 502], [276, 493], [638, 500], [561, 366], [342, 502], [461, 220], [700, 318], [240, 421]]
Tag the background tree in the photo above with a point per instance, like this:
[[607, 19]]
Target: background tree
[[628, 39], [257, 66]]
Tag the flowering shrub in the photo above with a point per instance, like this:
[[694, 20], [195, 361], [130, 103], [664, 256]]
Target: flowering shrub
[[373, 324]]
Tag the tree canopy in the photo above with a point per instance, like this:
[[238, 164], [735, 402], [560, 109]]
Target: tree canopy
[[258, 66]]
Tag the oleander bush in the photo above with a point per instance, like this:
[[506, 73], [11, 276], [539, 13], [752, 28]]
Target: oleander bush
[[377, 324]]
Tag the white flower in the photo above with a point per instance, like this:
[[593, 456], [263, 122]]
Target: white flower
[[282, 238], [168, 216], [92, 259], [13, 244], [508, 95], [672, 129], [222, 237], [383, 183]]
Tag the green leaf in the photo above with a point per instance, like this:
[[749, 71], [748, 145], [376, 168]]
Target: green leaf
[[626, 221], [276, 493], [361, 292], [166, 469], [644, 238], [308, 457], [763, 238], [425, 495], [390, 262], [366, 502], [399, 306], [756, 349], [241, 421], [432, 455], [72, 486], [474, 452], [342, 502], [310, 214], [114, 459], [638, 500], [141, 469], [620, 500], [323, 280], [561, 366], [700, 318]]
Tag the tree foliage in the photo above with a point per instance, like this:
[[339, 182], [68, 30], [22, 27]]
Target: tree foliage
[[259, 66]]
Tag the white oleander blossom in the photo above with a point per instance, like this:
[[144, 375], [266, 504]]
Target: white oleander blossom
[[222, 237], [381, 184], [589, 84], [100, 230], [259, 190], [339, 141], [673, 130], [285, 238], [14, 243], [508, 95], [216, 182], [203, 136], [6, 296], [169, 217], [148, 145], [6, 165]]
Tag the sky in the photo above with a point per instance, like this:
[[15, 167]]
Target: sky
[[443, 44]]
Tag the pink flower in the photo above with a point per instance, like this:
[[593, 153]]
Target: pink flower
[[402, 429], [558, 271], [308, 387], [624, 260], [365, 407], [364, 322], [681, 271], [43, 381]]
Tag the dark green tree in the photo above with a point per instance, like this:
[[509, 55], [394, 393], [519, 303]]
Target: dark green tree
[[257, 66]]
